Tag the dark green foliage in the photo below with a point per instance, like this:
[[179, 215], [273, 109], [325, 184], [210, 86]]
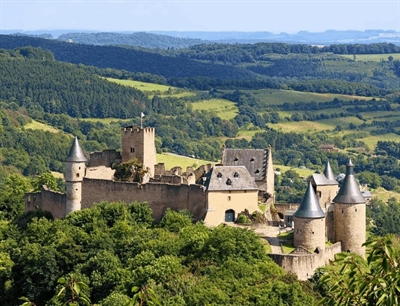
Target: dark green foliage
[[386, 217], [356, 281], [110, 250]]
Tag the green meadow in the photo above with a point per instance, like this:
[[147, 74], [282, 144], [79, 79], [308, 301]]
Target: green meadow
[[278, 97], [372, 57], [162, 90], [36, 125], [225, 109], [171, 160]]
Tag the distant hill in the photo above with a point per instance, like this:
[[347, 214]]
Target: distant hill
[[183, 39], [140, 39], [130, 59]]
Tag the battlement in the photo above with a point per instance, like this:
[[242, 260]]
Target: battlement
[[137, 129]]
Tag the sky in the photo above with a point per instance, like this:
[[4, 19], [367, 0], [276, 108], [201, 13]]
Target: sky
[[200, 15]]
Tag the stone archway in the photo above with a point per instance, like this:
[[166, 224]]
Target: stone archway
[[230, 215]]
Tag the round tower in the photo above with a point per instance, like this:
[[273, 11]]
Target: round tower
[[309, 222], [75, 166], [350, 219]]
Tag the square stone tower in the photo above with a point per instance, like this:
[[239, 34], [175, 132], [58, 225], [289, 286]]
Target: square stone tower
[[139, 143]]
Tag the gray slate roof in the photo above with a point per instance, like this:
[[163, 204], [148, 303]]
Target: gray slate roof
[[255, 160], [221, 178], [309, 207], [326, 178], [329, 173], [350, 192], [76, 153]]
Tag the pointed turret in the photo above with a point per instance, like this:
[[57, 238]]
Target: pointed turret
[[350, 214], [328, 172], [76, 153], [350, 192], [75, 168], [309, 223], [309, 207]]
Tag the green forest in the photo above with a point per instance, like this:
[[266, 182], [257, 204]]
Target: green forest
[[115, 253]]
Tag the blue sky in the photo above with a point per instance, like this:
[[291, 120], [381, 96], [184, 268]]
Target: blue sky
[[201, 15]]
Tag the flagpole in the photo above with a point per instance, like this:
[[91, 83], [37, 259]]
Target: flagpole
[[141, 122]]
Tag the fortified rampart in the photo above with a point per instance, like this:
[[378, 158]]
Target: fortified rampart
[[304, 265], [104, 158], [281, 208], [47, 199], [158, 196]]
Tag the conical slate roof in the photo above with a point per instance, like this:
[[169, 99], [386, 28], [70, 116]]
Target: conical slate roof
[[309, 207], [76, 152], [328, 172], [350, 192]]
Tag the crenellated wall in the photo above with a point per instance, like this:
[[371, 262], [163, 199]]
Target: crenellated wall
[[158, 196]]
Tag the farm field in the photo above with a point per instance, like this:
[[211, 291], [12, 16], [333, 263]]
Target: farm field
[[278, 97], [36, 125], [163, 90], [372, 57], [225, 109]]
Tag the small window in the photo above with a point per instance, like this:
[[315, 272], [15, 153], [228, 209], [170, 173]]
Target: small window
[[257, 171], [229, 198], [77, 175], [236, 159], [219, 175], [236, 175], [356, 209], [79, 168], [252, 160], [342, 211], [132, 150], [228, 182]]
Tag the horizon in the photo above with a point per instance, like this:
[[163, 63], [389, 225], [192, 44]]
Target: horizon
[[287, 16]]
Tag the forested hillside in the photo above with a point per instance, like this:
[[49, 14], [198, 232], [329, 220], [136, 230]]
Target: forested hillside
[[139, 39], [263, 65]]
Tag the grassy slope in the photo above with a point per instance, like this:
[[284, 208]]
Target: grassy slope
[[277, 97], [172, 160], [224, 108], [36, 125], [372, 57]]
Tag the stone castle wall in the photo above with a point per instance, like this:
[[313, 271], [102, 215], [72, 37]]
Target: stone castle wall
[[304, 265], [47, 199], [158, 196], [104, 158]]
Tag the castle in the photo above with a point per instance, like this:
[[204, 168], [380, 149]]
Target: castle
[[320, 232], [217, 195], [212, 194]]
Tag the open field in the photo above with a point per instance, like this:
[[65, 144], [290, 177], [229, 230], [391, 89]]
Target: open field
[[372, 57], [163, 90], [36, 125], [225, 109], [303, 172], [384, 195], [142, 86], [278, 97], [172, 160], [371, 141], [302, 126]]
